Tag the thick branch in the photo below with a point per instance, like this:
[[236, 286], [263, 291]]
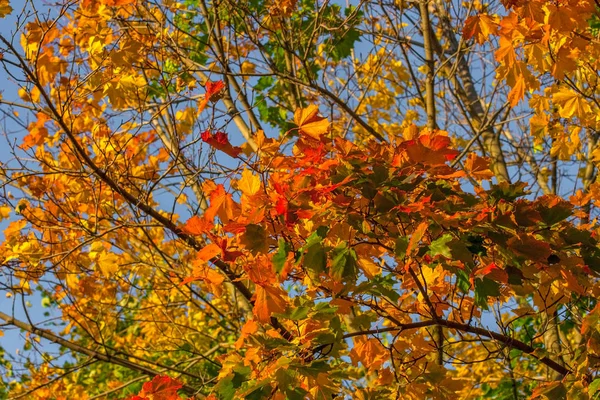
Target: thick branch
[[429, 66], [506, 340]]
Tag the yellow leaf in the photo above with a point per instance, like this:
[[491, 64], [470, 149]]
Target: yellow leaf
[[570, 103], [108, 264], [369, 267], [247, 68], [370, 352], [24, 95], [4, 212], [249, 184]]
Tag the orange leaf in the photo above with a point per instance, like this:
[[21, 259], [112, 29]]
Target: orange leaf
[[309, 123], [416, 237], [208, 252], [116, 3], [570, 103], [160, 388], [506, 52], [37, 132], [197, 226], [202, 272], [370, 352], [305, 115], [517, 92], [221, 204], [269, 300], [249, 328], [478, 167], [480, 26]]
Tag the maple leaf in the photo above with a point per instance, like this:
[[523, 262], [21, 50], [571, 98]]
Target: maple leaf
[[208, 252], [249, 328], [428, 149], [493, 272], [214, 92], [416, 237], [309, 123], [159, 388], [221, 203], [220, 141], [5, 8], [37, 132], [480, 26], [370, 352], [197, 225], [478, 167], [528, 246], [269, 300], [517, 93], [506, 52], [202, 272], [570, 103], [117, 3], [508, 4], [249, 183]]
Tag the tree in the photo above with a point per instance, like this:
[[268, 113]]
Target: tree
[[302, 200]]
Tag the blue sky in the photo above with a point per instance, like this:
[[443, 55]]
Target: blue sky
[[10, 132]]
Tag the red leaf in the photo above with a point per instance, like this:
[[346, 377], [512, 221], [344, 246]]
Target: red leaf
[[213, 90], [494, 272], [281, 206], [220, 142]]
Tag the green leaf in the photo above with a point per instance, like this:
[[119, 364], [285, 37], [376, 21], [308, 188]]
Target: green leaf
[[507, 191], [281, 255], [343, 265], [315, 259], [297, 314], [401, 246], [594, 386], [440, 246], [475, 245], [485, 288]]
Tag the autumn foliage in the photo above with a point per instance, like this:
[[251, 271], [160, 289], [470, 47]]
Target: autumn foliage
[[296, 200]]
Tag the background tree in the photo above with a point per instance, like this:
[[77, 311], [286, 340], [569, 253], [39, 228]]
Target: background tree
[[263, 200]]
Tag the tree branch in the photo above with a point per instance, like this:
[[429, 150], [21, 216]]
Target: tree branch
[[506, 340]]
